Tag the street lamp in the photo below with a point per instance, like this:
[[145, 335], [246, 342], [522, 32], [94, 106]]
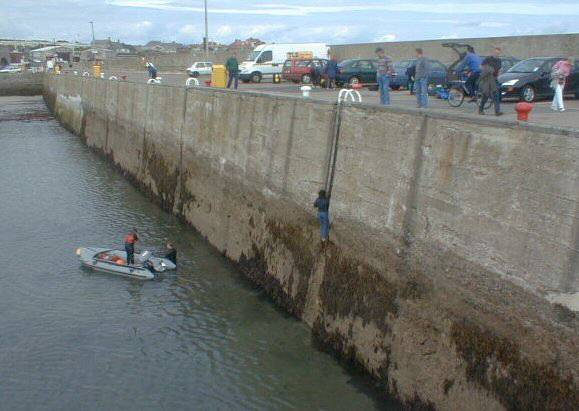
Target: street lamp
[[92, 30], [206, 38]]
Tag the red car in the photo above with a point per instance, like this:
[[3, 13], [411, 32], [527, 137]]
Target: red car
[[300, 71]]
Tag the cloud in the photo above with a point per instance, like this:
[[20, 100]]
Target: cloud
[[224, 31], [508, 8], [188, 30], [385, 38]]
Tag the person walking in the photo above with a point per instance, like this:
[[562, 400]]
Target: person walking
[[421, 75], [487, 87], [471, 63], [130, 239], [383, 74], [331, 72], [561, 70], [232, 66], [322, 203], [495, 63]]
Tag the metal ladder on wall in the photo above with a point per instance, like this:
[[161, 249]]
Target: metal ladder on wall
[[344, 96]]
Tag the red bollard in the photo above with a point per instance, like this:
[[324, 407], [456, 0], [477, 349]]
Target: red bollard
[[208, 83], [523, 110], [357, 86]]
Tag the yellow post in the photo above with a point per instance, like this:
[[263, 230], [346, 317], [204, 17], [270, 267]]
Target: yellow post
[[96, 70], [218, 76]]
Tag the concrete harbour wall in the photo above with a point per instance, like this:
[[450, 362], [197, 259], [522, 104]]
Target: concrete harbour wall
[[21, 84], [447, 231]]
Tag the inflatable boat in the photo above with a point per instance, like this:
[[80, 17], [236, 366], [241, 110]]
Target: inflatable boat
[[114, 262]]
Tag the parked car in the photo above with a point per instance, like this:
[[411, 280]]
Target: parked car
[[530, 79], [200, 68], [438, 73], [11, 68], [357, 71], [301, 70], [268, 59]]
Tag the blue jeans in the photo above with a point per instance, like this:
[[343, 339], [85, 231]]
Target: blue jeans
[[232, 77], [421, 90], [324, 218], [384, 86]]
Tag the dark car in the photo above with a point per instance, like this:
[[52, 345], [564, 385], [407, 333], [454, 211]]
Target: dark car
[[530, 79], [357, 71], [297, 70], [438, 73]]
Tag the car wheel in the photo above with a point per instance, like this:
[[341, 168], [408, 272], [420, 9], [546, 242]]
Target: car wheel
[[528, 94], [306, 79], [353, 80], [256, 77], [195, 74]]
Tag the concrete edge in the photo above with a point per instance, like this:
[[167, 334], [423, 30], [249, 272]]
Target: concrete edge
[[429, 113]]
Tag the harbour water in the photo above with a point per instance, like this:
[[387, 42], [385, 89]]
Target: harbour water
[[71, 339]]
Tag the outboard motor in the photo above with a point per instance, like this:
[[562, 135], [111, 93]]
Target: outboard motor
[[145, 256], [152, 263]]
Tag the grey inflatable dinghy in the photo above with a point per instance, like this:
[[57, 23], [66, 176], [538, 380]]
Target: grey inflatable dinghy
[[114, 262]]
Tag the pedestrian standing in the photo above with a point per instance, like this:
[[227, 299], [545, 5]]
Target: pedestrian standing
[[50, 65], [561, 70], [331, 72], [410, 74], [494, 63], [151, 69], [421, 76], [383, 74], [232, 66], [322, 203]]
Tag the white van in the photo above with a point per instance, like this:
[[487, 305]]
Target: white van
[[268, 59]]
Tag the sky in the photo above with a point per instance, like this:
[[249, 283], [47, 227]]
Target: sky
[[330, 21]]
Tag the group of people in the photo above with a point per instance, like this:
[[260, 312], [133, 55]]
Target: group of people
[[482, 78], [420, 75], [131, 239]]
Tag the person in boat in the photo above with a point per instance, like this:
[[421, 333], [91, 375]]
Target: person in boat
[[171, 253], [130, 239]]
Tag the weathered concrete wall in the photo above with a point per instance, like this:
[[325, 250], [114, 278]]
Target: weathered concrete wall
[[446, 233], [521, 47], [21, 84]]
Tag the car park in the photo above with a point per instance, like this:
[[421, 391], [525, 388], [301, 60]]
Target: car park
[[200, 68], [300, 70], [438, 73], [357, 71], [530, 79]]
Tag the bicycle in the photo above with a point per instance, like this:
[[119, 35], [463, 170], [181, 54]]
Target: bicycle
[[457, 92]]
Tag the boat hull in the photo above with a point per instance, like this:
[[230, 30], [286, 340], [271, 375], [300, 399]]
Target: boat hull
[[92, 258]]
